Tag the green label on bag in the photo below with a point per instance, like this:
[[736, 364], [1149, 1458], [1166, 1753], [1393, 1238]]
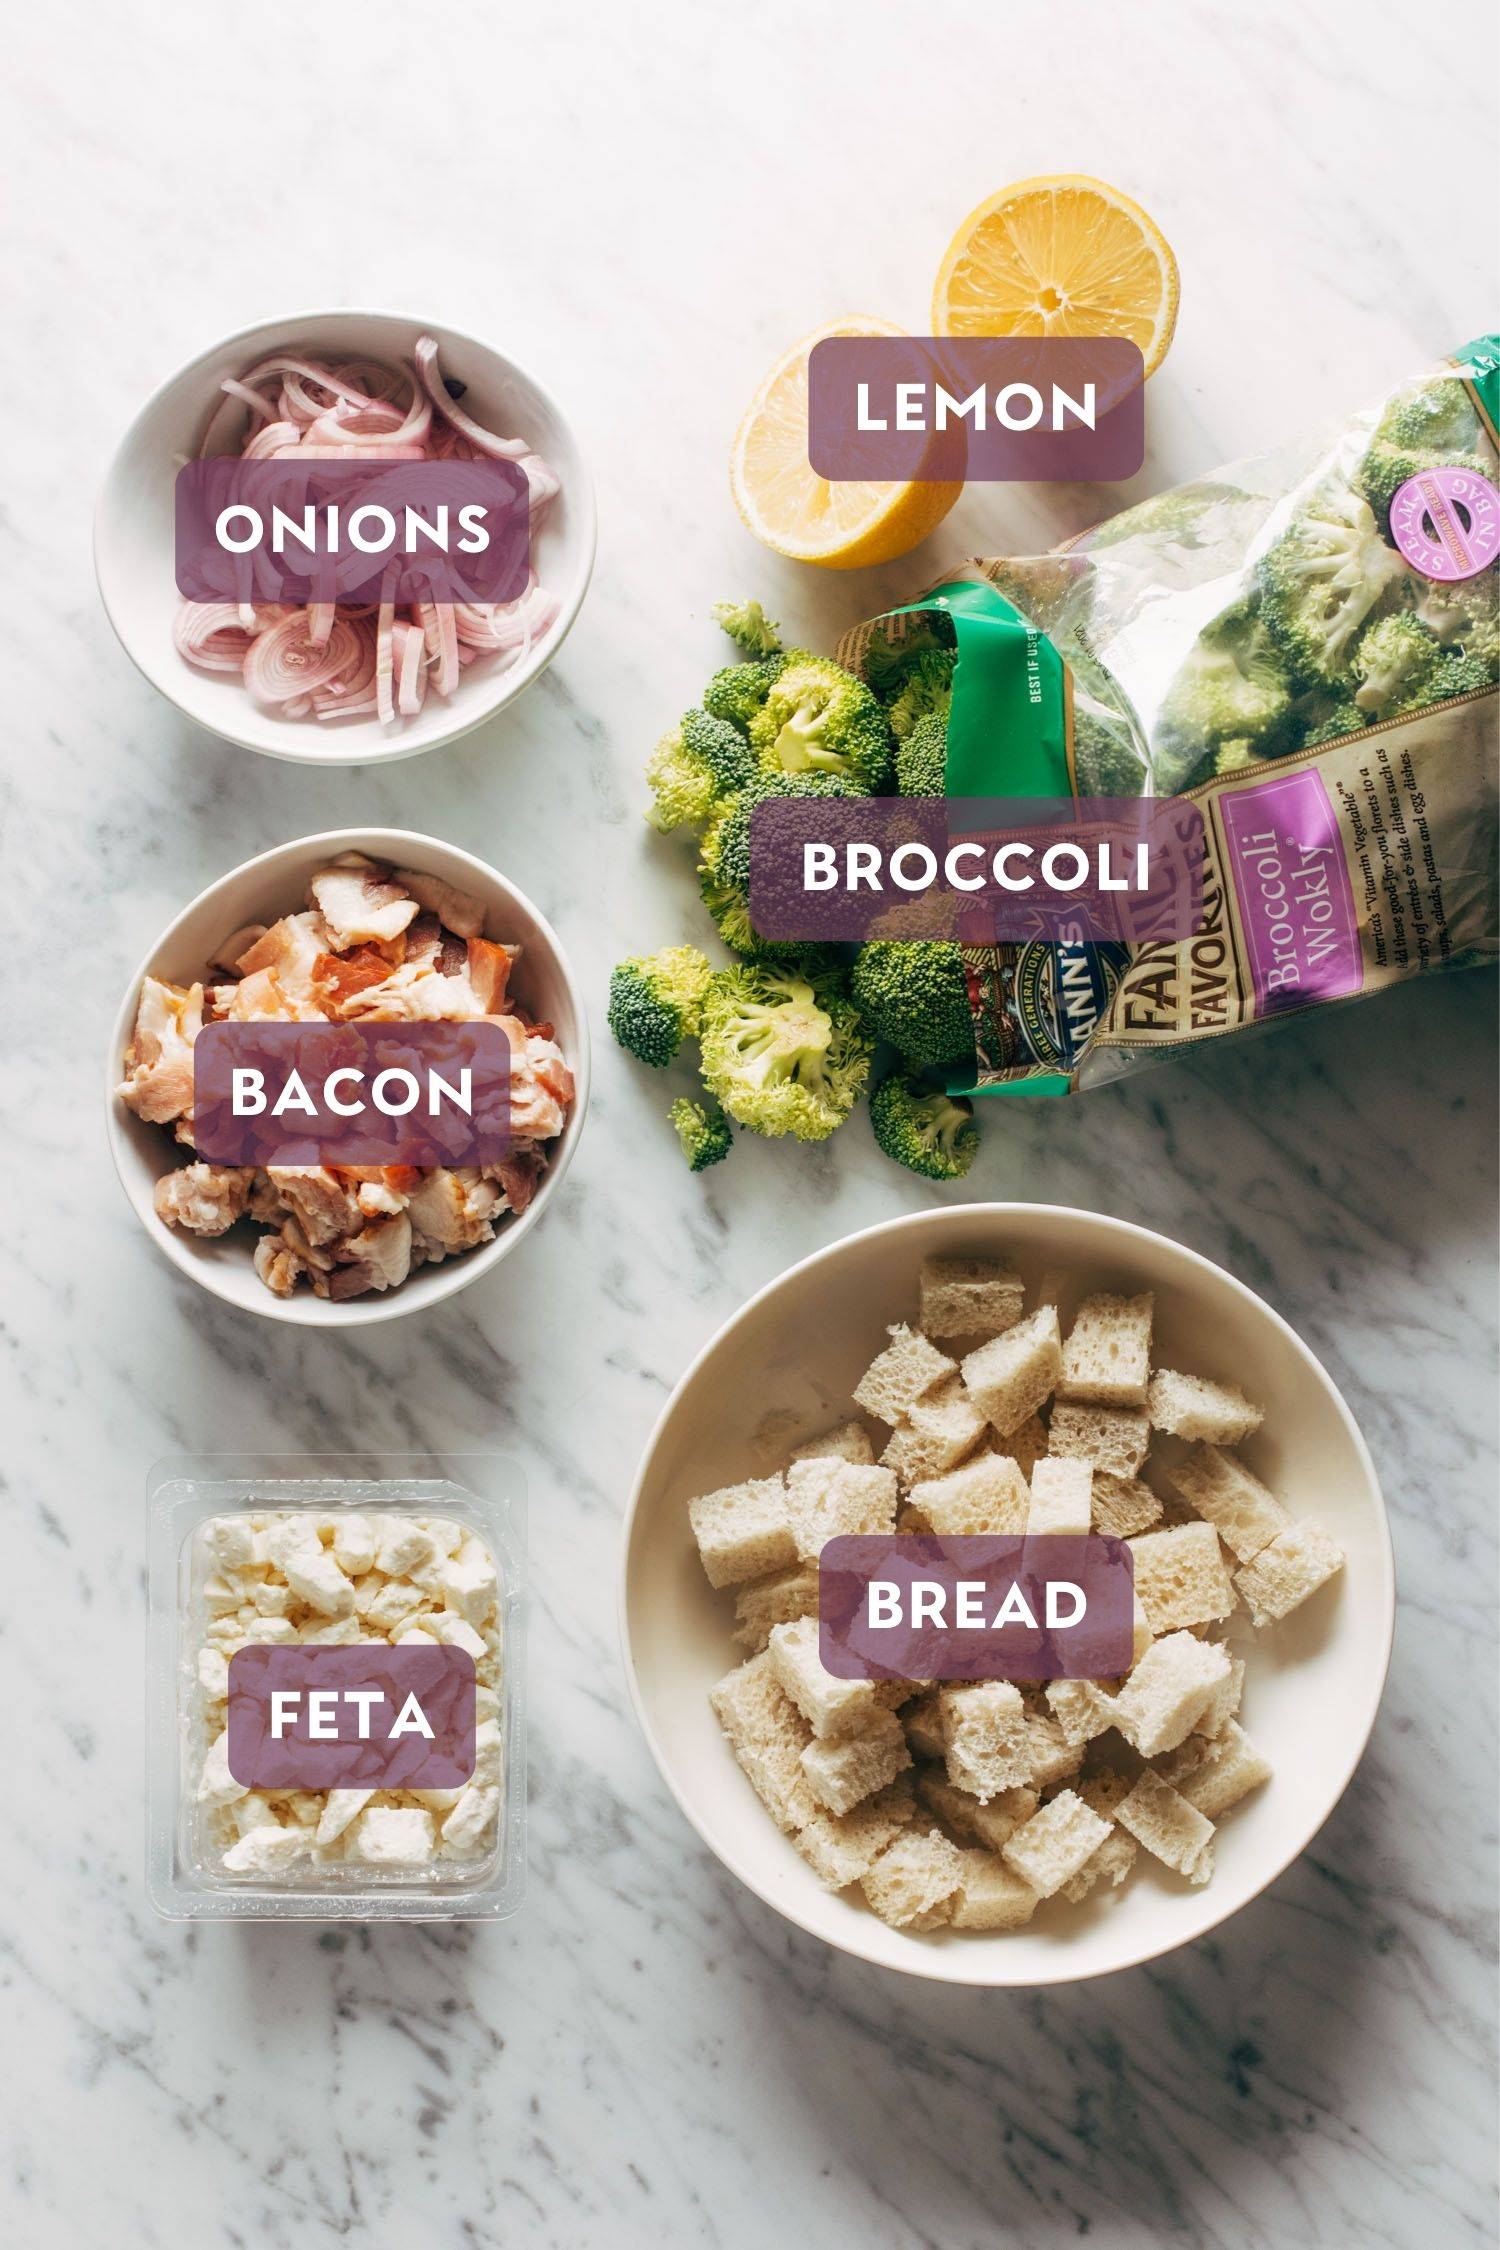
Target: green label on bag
[[1480, 362]]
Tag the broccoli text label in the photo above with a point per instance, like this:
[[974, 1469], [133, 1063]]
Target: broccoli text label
[[365, 1716], [995, 409], [300, 531], [980, 871], [1291, 886], [362, 1094], [1058, 1606]]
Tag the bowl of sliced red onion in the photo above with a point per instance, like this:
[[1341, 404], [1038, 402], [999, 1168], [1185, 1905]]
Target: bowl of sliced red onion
[[343, 683]]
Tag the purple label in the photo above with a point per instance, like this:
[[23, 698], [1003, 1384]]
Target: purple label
[[368, 1716], [300, 531], [993, 409], [1447, 523], [1055, 1607], [351, 1093], [981, 870], [1286, 860]]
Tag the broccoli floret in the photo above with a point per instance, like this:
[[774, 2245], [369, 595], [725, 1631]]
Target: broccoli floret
[[1394, 661], [748, 627], [914, 993], [817, 718], [923, 690], [740, 690], [656, 1001], [724, 859], [1106, 758], [1457, 674], [1344, 718], [1232, 687], [784, 1053], [1322, 579], [930, 1133], [922, 759], [703, 1130], [1466, 615], [693, 768], [1435, 417], [1171, 517]]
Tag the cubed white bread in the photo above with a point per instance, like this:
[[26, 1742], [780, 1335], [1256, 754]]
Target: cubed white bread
[[987, 1495], [1025, 1446], [1223, 1705], [916, 1874], [829, 1705], [743, 1530], [1245, 1514], [968, 1297], [1111, 1863], [1296, 1564], [1083, 1709], [1171, 1829], [985, 1738], [1169, 1690], [767, 1734], [1048, 1850], [1107, 1355], [971, 1822], [840, 1846], [1053, 1757], [938, 1433], [1061, 1499], [778, 1600], [846, 1769], [1180, 1577], [829, 1498], [1015, 1373], [1215, 1774], [1189, 1406], [849, 1441], [1123, 1506], [1141, 1635], [990, 1896], [923, 1721], [1114, 1438], [1106, 1788], [901, 1376]]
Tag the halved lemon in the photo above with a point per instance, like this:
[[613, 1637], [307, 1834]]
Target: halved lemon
[[802, 515], [1060, 255]]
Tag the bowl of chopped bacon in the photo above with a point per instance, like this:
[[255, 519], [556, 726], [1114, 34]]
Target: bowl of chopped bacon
[[358, 926], [346, 682]]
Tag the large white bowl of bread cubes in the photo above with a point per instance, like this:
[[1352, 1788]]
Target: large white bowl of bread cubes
[[1026, 1835]]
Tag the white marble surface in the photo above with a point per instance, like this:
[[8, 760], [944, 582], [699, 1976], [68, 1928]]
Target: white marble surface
[[648, 206]]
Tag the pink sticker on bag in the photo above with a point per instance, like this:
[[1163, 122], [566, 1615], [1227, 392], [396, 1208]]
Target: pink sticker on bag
[[1446, 522]]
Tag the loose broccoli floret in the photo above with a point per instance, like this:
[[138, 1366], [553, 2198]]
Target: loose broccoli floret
[[748, 627], [740, 690], [724, 859], [924, 690], [703, 1130], [1344, 718], [656, 1001], [783, 1053], [1394, 661], [1232, 687], [913, 992], [1322, 579], [930, 1133], [1107, 760], [922, 759], [693, 768], [817, 718]]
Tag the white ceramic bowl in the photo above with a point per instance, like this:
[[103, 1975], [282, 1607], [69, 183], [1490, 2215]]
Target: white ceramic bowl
[[794, 1353], [134, 534], [261, 891]]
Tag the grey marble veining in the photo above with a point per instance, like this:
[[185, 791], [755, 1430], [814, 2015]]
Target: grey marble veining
[[648, 209]]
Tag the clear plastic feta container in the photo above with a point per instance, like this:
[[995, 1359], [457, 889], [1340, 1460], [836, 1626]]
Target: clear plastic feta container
[[407, 1552]]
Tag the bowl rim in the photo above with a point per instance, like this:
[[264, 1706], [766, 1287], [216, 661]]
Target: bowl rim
[[918, 1966], [513, 683], [357, 1312]]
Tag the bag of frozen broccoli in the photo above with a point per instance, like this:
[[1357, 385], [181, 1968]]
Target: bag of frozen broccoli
[[1305, 645]]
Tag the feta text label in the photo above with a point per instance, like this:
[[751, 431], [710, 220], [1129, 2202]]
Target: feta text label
[[366, 1716], [968, 1608]]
